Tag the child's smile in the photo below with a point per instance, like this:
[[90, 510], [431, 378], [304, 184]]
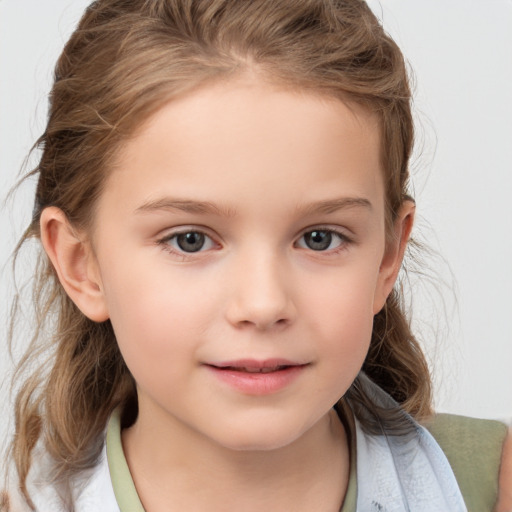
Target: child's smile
[[256, 377], [240, 249]]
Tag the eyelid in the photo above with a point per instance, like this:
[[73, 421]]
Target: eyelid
[[172, 233], [338, 230], [186, 228], [345, 238]]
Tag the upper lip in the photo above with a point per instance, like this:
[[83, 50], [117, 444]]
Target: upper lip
[[256, 365]]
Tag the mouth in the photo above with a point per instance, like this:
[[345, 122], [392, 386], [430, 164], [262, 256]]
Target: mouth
[[251, 369], [255, 366], [255, 377]]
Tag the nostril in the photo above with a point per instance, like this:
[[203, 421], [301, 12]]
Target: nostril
[[262, 324]]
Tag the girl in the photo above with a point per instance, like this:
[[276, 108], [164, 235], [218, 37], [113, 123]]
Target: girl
[[222, 201]]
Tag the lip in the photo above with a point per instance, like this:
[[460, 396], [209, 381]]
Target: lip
[[257, 377]]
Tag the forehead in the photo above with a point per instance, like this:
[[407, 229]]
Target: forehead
[[245, 137], [251, 101]]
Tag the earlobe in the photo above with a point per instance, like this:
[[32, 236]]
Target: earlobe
[[394, 254], [74, 263]]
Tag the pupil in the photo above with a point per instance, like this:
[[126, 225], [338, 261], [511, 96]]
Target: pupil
[[318, 240], [190, 242]]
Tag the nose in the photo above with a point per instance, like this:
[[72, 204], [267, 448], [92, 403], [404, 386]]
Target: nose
[[261, 293]]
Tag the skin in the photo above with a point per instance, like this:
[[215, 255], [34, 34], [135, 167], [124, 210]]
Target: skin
[[256, 168]]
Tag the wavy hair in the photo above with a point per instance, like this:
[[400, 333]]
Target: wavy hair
[[127, 58]]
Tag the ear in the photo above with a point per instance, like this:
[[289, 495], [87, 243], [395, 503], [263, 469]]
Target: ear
[[394, 254], [74, 262]]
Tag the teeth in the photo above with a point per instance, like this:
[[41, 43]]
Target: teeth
[[252, 370]]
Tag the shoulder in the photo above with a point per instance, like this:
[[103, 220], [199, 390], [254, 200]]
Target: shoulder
[[474, 449]]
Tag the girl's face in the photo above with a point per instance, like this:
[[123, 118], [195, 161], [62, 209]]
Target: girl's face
[[239, 249]]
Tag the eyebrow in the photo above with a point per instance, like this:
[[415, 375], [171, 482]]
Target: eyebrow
[[333, 205], [184, 205], [206, 207]]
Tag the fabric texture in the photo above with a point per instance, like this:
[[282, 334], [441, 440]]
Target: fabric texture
[[123, 486], [473, 447], [400, 467], [91, 491], [395, 475], [414, 471]]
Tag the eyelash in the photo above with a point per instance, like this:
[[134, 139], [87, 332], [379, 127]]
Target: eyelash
[[344, 240], [165, 242]]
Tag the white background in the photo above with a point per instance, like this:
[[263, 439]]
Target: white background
[[461, 55]]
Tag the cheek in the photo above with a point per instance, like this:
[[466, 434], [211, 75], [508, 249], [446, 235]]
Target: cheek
[[341, 312], [344, 297], [156, 337], [161, 318], [154, 314]]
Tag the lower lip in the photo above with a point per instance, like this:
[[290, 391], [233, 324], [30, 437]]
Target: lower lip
[[258, 383]]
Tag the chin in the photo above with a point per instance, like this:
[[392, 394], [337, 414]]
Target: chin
[[263, 439]]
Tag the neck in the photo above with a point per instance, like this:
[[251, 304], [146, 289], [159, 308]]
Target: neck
[[187, 470]]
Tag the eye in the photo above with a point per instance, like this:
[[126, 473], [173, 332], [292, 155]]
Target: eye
[[321, 240], [189, 241]]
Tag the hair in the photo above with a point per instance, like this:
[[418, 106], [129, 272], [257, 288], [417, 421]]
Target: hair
[[125, 60]]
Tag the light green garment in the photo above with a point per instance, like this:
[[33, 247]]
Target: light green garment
[[124, 488], [473, 448]]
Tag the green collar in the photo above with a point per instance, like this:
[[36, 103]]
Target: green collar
[[124, 488]]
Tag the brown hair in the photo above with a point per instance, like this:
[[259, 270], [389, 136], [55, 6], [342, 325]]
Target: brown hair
[[127, 58]]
